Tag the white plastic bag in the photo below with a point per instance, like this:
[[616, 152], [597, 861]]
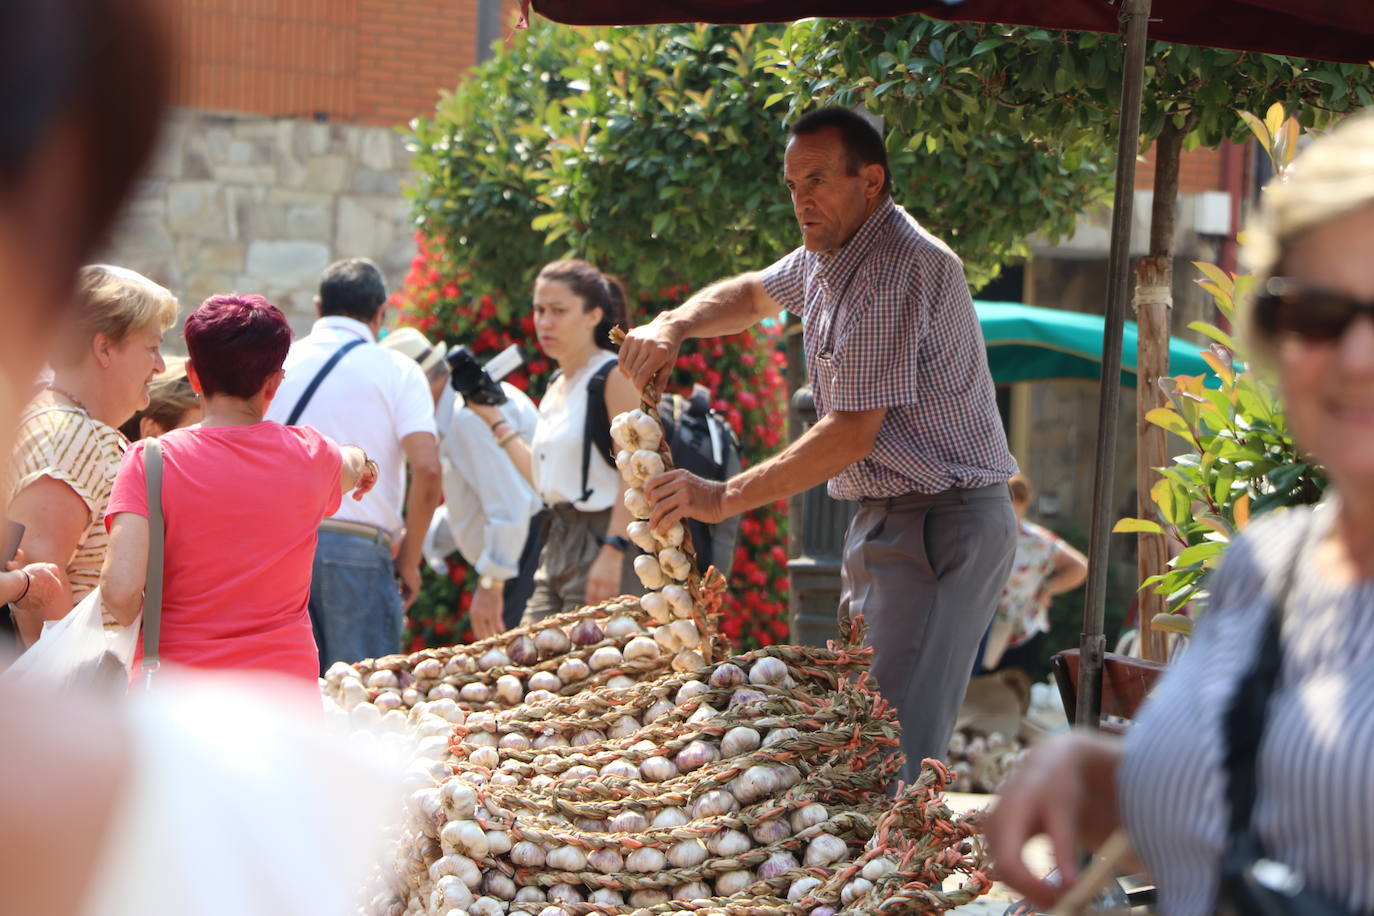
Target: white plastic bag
[[79, 652]]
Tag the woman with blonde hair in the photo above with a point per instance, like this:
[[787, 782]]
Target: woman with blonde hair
[[1246, 780], [69, 446], [172, 404]]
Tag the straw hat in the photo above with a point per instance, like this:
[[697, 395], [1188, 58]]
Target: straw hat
[[417, 346]]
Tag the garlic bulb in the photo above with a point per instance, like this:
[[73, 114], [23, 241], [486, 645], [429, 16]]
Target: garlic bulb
[[686, 633], [460, 867], [380, 680], [780, 736], [753, 784], [637, 502], [656, 606], [620, 626], [673, 537], [739, 740], [590, 825], [459, 800], [674, 563], [564, 893], [486, 906], [460, 664], [704, 713], [623, 727], [855, 889], [465, 837], [728, 843], [777, 864], [527, 854], [607, 897], [641, 647], [668, 818], [365, 716], [645, 464], [523, 651], [498, 885], [744, 696], [628, 822], [657, 769], [488, 757], [565, 858], [430, 669], [450, 893], [606, 860], [586, 633], [770, 831], [688, 660], [645, 860], [692, 890], [579, 772], [688, 690], [877, 868], [544, 680], [648, 897], [540, 696], [627, 470], [388, 700], [620, 682], [447, 709], [726, 675], [509, 690], [647, 568], [494, 658], [787, 775], [666, 638], [572, 670], [622, 769], [642, 536], [695, 755], [623, 432], [503, 779], [442, 692], [586, 736], [679, 600], [530, 894], [475, 692], [552, 641], [767, 670], [605, 657], [658, 711], [550, 739], [808, 816], [825, 849], [411, 697], [734, 882], [714, 802], [552, 910], [801, 887]]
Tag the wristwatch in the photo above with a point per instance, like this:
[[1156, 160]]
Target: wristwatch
[[489, 582], [618, 541]]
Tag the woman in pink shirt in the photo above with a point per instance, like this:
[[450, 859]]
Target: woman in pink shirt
[[242, 503]]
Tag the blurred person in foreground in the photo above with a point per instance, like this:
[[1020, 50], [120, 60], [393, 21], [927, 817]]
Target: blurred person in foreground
[[342, 382], [490, 513], [69, 445], [242, 502], [1296, 590], [1044, 566], [98, 799], [172, 404]]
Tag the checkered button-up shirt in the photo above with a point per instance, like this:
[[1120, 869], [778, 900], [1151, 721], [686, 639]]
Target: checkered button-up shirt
[[887, 321]]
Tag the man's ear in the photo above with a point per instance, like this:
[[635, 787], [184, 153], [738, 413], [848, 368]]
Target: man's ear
[[875, 176], [194, 379]]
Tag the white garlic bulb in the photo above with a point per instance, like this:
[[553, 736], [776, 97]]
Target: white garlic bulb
[[645, 860], [729, 843], [647, 897], [475, 692], [531, 894], [658, 769], [674, 563], [544, 680], [641, 647], [668, 818], [679, 600], [673, 537], [488, 757], [620, 626], [573, 670], [527, 854], [656, 606], [645, 464], [855, 889], [649, 571], [686, 633], [637, 502], [605, 657], [450, 893], [623, 432], [666, 638], [623, 727], [606, 860], [801, 887], [646, 429], [808, 816], [767, 670], [688, 660], [734, 882], [465, 837], [509, 690], [459, 800], [825, 849], [565, 858], [692, 890], [606, 897], [739, 740], [628, 822], [639, 532], [658, 711], [876, 868], [714, 802]]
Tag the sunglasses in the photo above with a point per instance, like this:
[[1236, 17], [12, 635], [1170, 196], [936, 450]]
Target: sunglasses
[[1316, 315]]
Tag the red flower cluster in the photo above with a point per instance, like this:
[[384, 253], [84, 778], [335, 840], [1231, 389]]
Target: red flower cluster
[[744, 371]]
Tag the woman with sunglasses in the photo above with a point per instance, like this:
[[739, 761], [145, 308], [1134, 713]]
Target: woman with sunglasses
[[1269, 714]]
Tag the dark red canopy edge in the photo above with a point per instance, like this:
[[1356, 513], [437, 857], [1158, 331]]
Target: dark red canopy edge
[[1338, 30]]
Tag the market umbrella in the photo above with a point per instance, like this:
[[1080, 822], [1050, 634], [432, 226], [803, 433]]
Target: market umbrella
[[1026, 343], [1324, 29]]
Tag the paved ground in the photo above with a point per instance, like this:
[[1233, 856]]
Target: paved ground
[[996, 901]]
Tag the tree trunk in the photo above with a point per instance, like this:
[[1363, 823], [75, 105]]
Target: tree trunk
[[1153, 303]]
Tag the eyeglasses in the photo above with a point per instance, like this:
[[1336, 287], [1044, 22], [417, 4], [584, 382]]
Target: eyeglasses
[[1316, 315]]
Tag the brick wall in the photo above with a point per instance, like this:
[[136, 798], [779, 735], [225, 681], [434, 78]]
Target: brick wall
[[356, 61], [1198, 170]]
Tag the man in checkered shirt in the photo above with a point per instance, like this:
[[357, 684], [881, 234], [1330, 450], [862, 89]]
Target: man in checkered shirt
[[908, 421]]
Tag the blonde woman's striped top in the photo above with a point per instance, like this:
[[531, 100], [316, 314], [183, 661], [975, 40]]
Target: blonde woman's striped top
[[66, 444]]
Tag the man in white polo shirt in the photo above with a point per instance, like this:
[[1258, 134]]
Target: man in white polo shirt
[[340, 381]]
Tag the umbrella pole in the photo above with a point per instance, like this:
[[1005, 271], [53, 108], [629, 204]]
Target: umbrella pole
[[1135, 18]]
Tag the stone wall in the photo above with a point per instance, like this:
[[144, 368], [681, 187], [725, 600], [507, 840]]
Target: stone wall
[[262, 205]]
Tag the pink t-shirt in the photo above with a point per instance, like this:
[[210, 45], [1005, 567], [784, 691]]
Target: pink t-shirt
[[242, 507]]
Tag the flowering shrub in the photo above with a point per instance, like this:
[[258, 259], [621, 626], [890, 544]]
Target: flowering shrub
[[744, 371]]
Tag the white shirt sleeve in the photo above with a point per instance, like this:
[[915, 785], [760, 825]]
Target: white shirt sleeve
[[495, 488], [413, 404]]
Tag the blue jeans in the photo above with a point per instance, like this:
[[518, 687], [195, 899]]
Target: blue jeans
[[355, 604]]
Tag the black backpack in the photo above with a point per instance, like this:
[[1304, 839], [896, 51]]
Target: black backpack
[[701, 441]]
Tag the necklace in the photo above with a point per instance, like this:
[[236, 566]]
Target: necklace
[[80, 405]]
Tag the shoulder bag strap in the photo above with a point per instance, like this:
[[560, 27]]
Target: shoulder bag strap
[[597, 427], [1245, 720], [314, 385], [152, 588]]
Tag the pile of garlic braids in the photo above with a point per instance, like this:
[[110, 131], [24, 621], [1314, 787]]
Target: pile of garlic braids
[[668, 567], [726, 789]]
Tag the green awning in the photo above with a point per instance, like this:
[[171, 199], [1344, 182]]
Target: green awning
[[1027, 343]]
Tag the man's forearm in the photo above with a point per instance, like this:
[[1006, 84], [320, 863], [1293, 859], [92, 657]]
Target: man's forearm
[[822, 452], [426, 491], [725, 307]]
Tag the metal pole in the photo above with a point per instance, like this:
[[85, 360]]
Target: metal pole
[[1135, 16]]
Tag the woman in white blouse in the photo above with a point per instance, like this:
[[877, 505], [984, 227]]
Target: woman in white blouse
[[1308, 571], [584, 557]]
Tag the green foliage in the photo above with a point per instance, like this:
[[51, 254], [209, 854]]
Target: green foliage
[[999, 132]]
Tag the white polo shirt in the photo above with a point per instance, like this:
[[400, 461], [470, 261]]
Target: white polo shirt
[[372, 398]]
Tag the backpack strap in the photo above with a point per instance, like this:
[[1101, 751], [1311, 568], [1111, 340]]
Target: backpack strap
[[597, 429], [152, 588], [314, 385]]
